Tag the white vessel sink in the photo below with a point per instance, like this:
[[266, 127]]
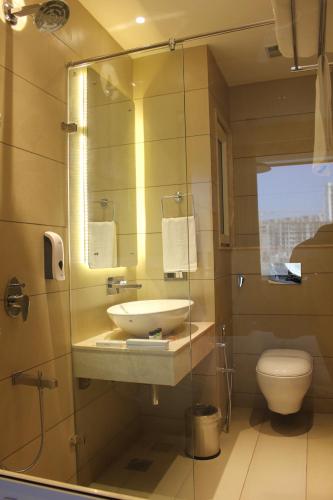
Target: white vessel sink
[[140, 317]]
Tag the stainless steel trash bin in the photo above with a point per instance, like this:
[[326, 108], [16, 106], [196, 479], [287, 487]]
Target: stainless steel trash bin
[[203, 424]]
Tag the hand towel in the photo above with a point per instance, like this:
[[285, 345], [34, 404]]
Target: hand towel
[[102, 244], [179, 244], [323, 141]]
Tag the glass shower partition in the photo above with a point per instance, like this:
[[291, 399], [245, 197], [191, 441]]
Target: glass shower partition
[[128, 171]]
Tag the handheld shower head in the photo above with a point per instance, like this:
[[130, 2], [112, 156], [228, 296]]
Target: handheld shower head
[[48, 16]]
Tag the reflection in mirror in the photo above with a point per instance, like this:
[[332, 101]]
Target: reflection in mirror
[[111, 194], [295, 201]]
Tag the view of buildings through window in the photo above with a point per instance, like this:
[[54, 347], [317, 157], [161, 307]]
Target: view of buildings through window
[[295, 201]]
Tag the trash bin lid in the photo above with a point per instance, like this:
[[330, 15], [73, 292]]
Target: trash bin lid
[[201, 410]]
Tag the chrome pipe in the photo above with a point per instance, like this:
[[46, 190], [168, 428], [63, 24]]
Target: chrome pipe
[[171, 43], [24, 379], [307, 67], [293, 32]]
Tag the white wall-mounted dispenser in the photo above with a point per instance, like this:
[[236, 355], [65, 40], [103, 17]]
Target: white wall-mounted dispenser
[[53, 256]]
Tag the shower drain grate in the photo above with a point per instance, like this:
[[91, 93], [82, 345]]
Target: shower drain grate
[[139, 464]]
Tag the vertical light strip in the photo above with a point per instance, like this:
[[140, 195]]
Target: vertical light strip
[[140, 182], [83, 147]]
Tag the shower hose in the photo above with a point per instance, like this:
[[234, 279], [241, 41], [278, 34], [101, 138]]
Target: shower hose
[[42, 437]]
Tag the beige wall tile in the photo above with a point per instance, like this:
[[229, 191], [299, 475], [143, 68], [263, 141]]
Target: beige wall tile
[[158, 74], [112, 413], [275, 135], [158, 289], [246, 215], [114, 448], [197, 112], [88, 308], [202, 293], [33, 188], [74, 34], [20, 408], [44, 336], [111, 125], [314, 259], [31, 120], [222, 259], [223, 300], [165, 162], [260, 297], [111, 168], [88, 395], [317, 405], [163, 116], [219, 90], [247, 240], [58, 459], [46, 68], [198, 150], [195, 66], [253, 334], [245, 176], [173, 400], [82, 276], [273, 98], [24, 257]]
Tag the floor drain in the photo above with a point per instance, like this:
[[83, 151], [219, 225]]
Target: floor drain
[[139, 464]]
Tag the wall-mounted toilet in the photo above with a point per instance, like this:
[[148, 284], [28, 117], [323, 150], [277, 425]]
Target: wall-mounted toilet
[[284, 376]]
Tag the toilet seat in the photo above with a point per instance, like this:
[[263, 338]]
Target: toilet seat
[[284, 363]]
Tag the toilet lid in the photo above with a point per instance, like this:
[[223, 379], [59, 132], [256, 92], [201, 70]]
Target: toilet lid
[[284, 363]]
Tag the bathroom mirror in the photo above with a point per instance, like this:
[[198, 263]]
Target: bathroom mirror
[[110, 172]]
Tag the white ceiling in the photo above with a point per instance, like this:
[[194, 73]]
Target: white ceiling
[[241, 56]]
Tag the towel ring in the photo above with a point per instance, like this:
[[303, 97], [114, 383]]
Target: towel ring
[[105, 204], [178, 197]]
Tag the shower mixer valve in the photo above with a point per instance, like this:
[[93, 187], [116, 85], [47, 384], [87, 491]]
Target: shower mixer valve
[[16, 302]]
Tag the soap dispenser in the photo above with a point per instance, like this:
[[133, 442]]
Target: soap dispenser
[[53, 256]]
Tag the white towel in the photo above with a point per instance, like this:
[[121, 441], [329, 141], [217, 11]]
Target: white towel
[[179, 244], [323, 142], [102, 245]]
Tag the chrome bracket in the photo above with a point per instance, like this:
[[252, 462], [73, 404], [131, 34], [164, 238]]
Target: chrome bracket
[[70, 128], [77, 440], [21, 378], [10, 18], [172, 44]]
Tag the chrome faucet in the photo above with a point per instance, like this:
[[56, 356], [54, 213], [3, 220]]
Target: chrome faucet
[[114, 285], [16, 302]]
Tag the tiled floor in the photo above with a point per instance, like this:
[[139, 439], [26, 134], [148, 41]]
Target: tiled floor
[[264, 457]]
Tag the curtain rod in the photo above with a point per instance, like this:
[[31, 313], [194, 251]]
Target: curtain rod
[[171, 43]]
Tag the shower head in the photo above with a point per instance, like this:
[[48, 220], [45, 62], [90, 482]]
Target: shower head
[[48, 16], [52, 15]]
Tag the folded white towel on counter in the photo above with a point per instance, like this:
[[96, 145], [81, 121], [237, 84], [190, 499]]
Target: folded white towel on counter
[[102, 244], [179, 244]]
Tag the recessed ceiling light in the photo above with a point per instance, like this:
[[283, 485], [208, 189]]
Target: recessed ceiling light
[[140, 20]]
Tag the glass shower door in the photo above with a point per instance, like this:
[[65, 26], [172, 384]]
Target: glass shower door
[[129, 202]]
